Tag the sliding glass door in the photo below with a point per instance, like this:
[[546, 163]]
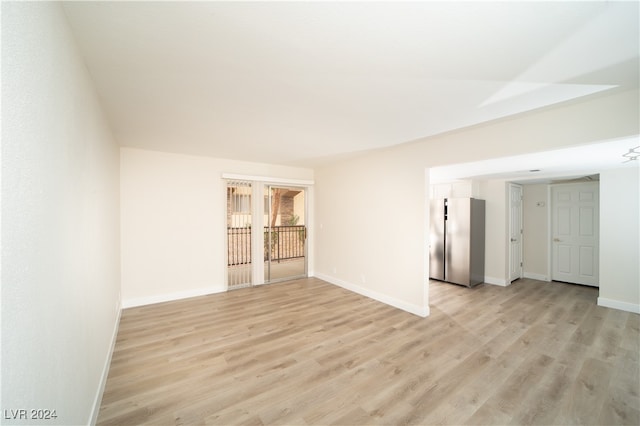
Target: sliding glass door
[[268, 222], [285, 233]]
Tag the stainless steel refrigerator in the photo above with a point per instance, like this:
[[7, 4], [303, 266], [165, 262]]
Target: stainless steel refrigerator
[[457, 240]]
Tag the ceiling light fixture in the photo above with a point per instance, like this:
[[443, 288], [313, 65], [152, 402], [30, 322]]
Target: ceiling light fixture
[[633, 154]]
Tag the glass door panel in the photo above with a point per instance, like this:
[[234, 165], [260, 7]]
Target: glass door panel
[[285, 233], [239, 219]]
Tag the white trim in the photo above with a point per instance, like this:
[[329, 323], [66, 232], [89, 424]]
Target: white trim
[[616, 304], [168, 297], [265, 179], [538, 277], [257, 238], [426, 257], [224, 263], [549, 235], [105, 370], [496, 281], [311, 235], [422, 311]]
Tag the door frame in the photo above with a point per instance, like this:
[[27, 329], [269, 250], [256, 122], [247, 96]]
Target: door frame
[[258, 184]]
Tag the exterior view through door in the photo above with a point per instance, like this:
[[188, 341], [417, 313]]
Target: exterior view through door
[[281, 243], [285, 234]]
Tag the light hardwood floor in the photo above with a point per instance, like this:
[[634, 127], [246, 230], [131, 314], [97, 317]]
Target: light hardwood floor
[[307, 352]]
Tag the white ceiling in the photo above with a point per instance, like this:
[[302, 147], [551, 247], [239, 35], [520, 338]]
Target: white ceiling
[[548, 166], [298, 82]]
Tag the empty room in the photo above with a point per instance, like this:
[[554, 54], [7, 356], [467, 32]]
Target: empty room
[[313, 213]]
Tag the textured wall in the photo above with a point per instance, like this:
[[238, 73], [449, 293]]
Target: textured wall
[[60, 222]]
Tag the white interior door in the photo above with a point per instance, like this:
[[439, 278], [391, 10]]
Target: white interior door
[[515, 232], [575, 233]]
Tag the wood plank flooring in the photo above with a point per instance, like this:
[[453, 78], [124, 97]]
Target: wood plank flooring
[[307, 352]]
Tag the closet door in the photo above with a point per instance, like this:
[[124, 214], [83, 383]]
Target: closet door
[[575, 233]]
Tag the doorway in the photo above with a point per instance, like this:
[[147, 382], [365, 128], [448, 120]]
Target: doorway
[[515, 232], [273, 228], [285, 233], [575, 233]]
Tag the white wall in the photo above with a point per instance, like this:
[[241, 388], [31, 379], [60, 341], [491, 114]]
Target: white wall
[[370, 228], [535, 226], [173, 222], [620, 239], [60, 240], [465, 188], [496, 267], [357, 197]]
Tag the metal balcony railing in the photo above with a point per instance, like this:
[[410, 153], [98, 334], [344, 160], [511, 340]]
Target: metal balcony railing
[[281, 242]]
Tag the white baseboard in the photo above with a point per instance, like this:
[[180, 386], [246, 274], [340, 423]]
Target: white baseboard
[[533, 276], [616, 304], [105, 371], [168, 297], [422, 311], [496, 281]]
